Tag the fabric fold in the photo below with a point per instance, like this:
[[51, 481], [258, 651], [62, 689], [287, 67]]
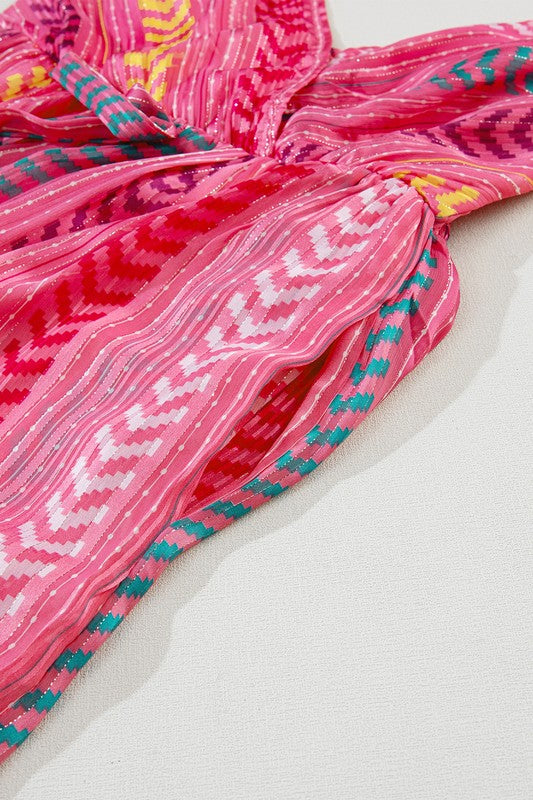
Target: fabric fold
[[222, 244]]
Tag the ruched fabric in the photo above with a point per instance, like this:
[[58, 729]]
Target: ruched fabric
[[222, 244]]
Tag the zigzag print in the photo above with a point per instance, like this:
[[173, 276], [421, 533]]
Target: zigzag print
[[165, 27], [222, 244]]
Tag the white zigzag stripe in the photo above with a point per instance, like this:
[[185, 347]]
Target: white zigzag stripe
[[58, 519], [270, 298], [83, 484], [19, 567], [295, 266], [164, 391], [137, 420], [247, 328], [10, 604], [109, 449], [324, 250], [350, 224], [214, 336], [29, 538], [189, 364]]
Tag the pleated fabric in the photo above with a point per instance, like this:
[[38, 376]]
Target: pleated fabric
[[222, 244]]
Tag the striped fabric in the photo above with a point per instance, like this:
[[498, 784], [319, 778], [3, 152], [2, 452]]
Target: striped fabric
[[222, 245]]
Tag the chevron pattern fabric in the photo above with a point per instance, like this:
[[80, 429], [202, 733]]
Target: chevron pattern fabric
[[222, 244]]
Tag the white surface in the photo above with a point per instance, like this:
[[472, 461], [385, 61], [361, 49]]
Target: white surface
[[364, 636]]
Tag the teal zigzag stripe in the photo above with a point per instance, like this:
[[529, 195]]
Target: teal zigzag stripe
[[192, 136], [428, 258], [484, 64], [93, 93], [117, 118], [357, 402], [192, 528], [376, 366], [41, 701], [58, 156], [65, 71], [442, 83], [78, 86], [466, 77], [163, 551], [330, 436], [11, 736], [390, 333], [8, 188], [407, 306], [27, 165], [520, 57], [135, 587], [229, 509], [301, 465], [105, 623], [95, 155], [264, 487], [72, 660], [424, 281]]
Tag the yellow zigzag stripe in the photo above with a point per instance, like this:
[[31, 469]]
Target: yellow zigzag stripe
[[14, 86], [157, 92], [147, 59], [472, 164], [164, 33], [17, 82], [167, 37], [427, 180], [152, 71], [166, 24], [162, 6], [446, 201], [40, 77], [134, 58]]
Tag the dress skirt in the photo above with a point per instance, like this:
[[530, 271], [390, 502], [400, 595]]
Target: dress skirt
[[222, 244]]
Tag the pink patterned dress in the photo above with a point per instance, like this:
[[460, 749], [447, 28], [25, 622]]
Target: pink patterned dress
[[222, 244]]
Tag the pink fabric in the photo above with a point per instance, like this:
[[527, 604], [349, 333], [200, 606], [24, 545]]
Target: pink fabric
[[222, 244]]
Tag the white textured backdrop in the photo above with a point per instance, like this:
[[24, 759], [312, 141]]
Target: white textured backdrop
[[365, 635]]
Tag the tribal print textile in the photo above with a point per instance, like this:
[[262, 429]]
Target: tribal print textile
[[222, 244]]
